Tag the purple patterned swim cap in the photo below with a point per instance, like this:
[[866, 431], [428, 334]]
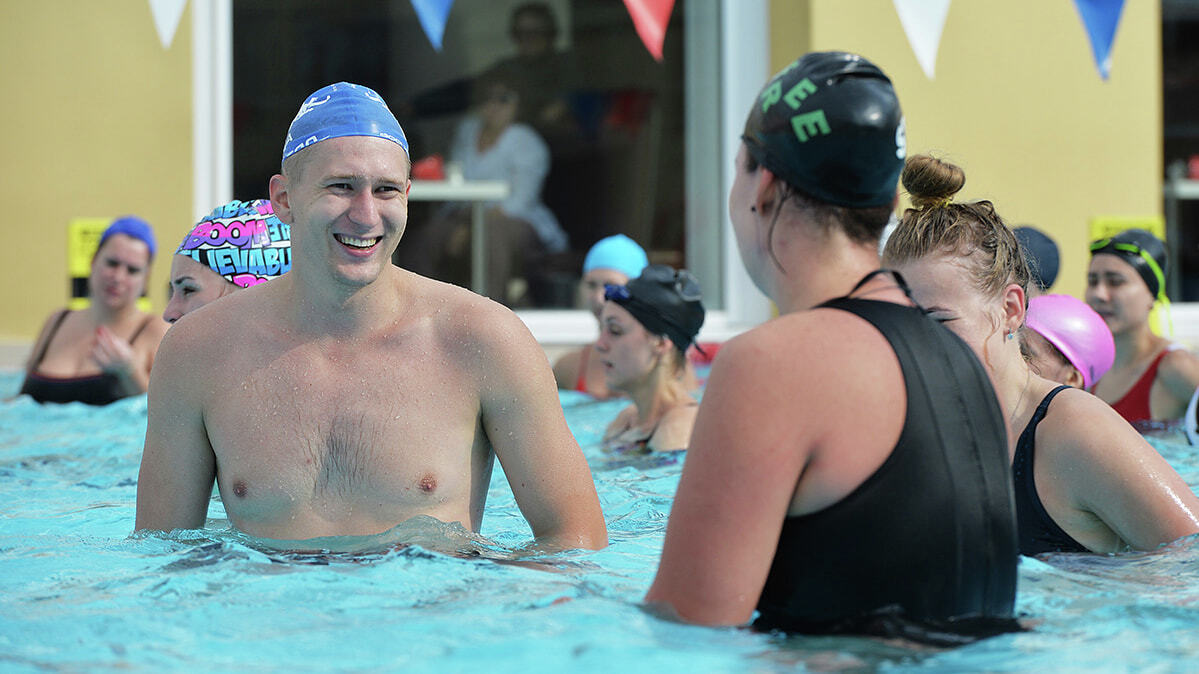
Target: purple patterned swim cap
[[342, 109], [1077, 331], [242, 241]]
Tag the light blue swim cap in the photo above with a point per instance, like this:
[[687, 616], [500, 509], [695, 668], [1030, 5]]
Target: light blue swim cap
[[617, 252], [342, 109]]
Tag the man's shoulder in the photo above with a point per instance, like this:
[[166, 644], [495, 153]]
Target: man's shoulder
[[461, 315]]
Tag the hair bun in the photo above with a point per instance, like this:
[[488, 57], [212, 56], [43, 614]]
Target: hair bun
[[930, 181]]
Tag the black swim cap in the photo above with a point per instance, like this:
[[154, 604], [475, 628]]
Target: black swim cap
[[1141, 249], [664, 301], [1042, 255], [830, 125]]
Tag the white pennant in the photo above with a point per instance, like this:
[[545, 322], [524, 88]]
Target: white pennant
[[167, 14], [923, 21]]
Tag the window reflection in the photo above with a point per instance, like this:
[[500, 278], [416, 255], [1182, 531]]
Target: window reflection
[[571, 72]]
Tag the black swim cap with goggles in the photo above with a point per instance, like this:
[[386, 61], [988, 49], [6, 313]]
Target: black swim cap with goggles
[[664, 301], [830, 124], [1144, 251]]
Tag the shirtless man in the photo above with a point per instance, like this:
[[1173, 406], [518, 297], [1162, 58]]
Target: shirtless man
[[350, 395]]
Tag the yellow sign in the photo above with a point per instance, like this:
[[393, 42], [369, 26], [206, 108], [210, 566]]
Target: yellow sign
[[1106, 226], [83, 238]]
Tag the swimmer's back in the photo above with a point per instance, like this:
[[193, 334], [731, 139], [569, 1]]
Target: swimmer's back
[[927, 529]]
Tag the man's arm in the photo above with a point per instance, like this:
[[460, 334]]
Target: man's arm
[[523, 419], [178, 467]]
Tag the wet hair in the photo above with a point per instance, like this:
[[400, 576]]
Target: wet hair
[[973, 230], [861, 225]]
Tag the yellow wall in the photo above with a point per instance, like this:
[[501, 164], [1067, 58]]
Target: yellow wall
[[1018, 104], [96, 121]]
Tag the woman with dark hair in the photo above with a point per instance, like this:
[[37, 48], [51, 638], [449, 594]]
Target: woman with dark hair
[[646, 327], [103, 353], [1152, 378], [847, 471]]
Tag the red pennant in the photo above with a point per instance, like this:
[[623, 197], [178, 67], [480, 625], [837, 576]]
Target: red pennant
[[650, 18]]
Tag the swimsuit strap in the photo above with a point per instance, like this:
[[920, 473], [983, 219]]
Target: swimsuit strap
[[62, 315], [139, 329], [1044, 406], [899, 281]]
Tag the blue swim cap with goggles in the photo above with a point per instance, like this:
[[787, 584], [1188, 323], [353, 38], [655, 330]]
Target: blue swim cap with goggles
[[664, 301], [339, 110]]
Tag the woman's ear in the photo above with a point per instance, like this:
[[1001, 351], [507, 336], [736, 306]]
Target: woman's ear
[[1015, 305], [1075, 379], [766, 190]]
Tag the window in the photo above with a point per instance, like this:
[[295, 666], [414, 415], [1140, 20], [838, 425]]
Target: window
[[615, 122]]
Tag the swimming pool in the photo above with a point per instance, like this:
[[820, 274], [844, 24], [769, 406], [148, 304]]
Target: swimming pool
[[77, 593]]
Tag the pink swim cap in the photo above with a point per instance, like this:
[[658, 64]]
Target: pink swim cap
[[1077, 331]]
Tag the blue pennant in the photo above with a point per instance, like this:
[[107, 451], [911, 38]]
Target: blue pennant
[[433, 15], [1100, 17]]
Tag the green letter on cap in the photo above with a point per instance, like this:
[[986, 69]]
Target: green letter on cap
[[810, 124]]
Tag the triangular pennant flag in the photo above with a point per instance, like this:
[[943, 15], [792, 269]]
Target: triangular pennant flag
[[433, 15], [167, 14], [1100, 17], [923, 21], [650, 18]]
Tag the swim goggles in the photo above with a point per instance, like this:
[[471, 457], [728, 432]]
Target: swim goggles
[[1135, 250], [681, 281]]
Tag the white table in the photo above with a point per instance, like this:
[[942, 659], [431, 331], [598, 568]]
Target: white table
[[478, 192]]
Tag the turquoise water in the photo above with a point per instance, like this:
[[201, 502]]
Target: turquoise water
[[79, 594]]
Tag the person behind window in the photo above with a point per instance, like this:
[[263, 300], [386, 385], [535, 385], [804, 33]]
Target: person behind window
[[646, 327], [240, 244], [103, 353], [492, 145], [1153, 378], [1085, 480]]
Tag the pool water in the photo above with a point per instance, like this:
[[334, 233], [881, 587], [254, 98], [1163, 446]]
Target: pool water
[[79, 594]]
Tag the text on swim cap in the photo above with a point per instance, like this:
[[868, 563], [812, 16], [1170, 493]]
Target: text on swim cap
[[810, 124], [805, 125], [233, 262], [794, 97]]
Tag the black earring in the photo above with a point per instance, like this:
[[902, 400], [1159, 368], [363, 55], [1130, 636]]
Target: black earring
[[753, 209]]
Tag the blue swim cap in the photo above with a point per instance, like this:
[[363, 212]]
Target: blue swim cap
[[131, 225], [617, 252], [342, 109]]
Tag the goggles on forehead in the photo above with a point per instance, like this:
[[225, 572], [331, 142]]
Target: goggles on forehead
[[616, 293], [682, 282], [1132, 248]]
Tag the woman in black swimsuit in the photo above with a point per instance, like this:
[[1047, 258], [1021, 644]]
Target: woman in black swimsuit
[[102, 353], [1084, 479], [646, 327], [847, 472]]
